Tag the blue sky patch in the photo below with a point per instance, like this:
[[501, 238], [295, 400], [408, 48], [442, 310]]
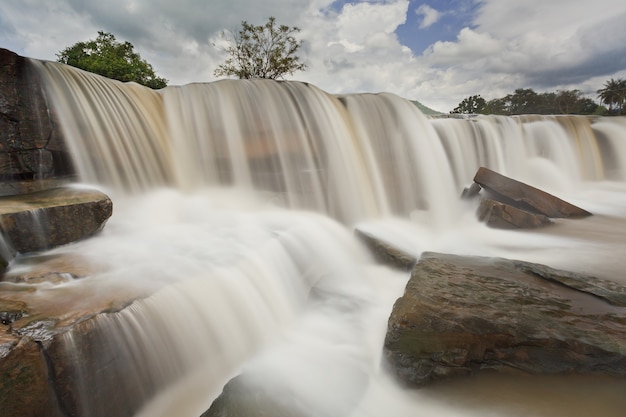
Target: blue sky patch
[[453, 16]]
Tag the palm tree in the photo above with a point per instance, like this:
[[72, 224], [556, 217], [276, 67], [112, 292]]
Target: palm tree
[[613, 93]]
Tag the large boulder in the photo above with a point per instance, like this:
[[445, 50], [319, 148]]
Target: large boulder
[[524, 197], [460, 315], [53, 217]]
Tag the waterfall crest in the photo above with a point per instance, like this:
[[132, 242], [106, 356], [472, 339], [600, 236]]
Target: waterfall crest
[[353, 157]]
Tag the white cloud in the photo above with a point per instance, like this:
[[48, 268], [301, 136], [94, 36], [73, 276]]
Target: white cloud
[[358, 23], [429, 16], [534, 43], [469, 46]]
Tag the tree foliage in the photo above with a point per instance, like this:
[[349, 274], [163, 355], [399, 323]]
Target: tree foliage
[[107, 57], [471, 105], [267, 51], [613, 94], [527, 101]]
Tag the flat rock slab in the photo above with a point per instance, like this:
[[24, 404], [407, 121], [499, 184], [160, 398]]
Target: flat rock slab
[[460, 315], [45, 219], [525, 197]]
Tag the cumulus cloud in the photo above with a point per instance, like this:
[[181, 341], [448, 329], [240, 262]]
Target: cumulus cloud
[[353, 46], [468, 47], [429, 16], [533, 44]]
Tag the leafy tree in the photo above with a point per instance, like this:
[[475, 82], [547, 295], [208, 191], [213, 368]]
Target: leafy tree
[[527, 101], [471, 105], [495, 106], [112, 59], [613, 94], [267, 51], [522, 101], [573, 102]]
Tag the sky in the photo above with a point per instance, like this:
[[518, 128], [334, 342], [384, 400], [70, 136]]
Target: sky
[[435, 51]]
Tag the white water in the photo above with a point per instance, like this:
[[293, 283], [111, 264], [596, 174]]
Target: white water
[[235, 203]]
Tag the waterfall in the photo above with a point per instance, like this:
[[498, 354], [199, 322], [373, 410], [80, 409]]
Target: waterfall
[[235, 203]]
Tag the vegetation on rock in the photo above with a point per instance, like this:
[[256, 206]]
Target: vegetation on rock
[[112, 59]]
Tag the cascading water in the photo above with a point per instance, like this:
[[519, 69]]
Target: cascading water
[[234, 205]]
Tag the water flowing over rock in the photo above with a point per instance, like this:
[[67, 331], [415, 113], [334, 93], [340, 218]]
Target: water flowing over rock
[[59, 360], [232, 232], [460, 315], [53, 217], [51, 365]]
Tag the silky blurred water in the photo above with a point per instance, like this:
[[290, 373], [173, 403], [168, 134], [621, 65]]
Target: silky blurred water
[[234, 209]]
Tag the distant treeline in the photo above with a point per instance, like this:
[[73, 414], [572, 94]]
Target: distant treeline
[[527, 101]]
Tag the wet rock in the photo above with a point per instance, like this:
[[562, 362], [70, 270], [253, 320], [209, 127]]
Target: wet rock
[[49, 218], [24, 387], [504, 216], [31, 144], [32, 149], [66, 359], [525, 197], [460, 315], [386, 253]]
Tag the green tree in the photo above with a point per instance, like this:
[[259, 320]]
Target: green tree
[[471, 105], [523, 101], [495, 106], [526, 101], [573, 102], [107, 57], [613, 94], [267, 51]]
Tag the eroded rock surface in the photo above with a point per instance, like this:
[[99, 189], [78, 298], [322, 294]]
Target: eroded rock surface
[[31, 144], [460, 315]]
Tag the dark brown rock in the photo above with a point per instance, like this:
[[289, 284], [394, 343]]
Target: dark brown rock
[[504, 216], [525, 197], [54, 217], [460, 315], [31, 143], [24, 386]]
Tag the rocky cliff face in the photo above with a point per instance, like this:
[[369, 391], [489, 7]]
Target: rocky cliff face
[[31, 144]]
